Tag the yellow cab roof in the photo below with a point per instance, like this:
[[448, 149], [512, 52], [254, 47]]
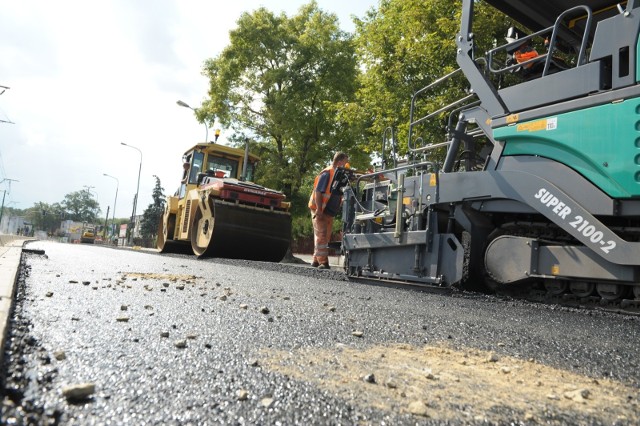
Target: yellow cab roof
[[214, 148]]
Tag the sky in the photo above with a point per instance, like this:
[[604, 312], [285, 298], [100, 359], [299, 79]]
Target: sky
[[84, 77]]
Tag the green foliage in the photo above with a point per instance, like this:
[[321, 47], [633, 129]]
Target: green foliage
[[279, 83], [43, 216], [404, 46], [80, 206], [153, 213]]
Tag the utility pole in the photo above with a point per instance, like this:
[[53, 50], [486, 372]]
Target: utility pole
[[106, 219], [132, 224], [2, 90], [4, 194]]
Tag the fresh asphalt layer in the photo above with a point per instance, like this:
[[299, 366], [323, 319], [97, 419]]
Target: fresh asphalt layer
[[10, 254], [173, 340]]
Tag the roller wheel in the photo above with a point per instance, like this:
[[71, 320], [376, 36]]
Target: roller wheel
[[165, 231], [202, 229], [582, 288], [612, 292], [556, 287]]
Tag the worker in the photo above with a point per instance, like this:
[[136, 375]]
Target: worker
[[520, 53], [186, 166], [321, 217], [525, 53]]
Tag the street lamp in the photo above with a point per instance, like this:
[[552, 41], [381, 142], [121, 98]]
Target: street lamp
[[206, 127], [113, 222], [135, 200]]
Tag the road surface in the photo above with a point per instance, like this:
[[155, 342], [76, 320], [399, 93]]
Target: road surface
[[110, 336]]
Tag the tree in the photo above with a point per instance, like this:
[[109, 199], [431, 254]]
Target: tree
[[279, 83], [153, 213], [80, 206], [45, 217], [405, 45]]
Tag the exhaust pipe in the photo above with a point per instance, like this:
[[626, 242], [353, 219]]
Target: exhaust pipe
[[246, 160]]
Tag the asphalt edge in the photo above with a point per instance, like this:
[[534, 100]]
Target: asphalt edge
[[10, 259]]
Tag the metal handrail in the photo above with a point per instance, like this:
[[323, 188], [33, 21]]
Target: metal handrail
[[491, 53], [443, 109], [393, 147], [396, 169], [464, 101], [413, 104], [583, 45], [548, 56], [431, 146]]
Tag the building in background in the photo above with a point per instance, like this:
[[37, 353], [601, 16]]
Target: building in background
[[13, 224]]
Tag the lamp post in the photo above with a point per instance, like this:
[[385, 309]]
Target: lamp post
[[113, 222], [206, 127], [135, 199]]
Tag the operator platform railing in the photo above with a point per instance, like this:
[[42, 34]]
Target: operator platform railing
[[385, 138], [548, 57], [453, 108]]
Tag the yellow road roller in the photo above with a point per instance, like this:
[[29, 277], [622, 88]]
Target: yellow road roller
[[219, 212]]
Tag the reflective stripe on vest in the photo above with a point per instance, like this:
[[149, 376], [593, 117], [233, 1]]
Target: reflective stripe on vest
[[327, 192]]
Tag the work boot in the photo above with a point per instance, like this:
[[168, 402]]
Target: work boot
[[324, 266], [315, 264]]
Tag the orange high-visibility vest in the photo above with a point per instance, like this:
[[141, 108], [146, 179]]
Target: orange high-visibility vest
[[525, 56], [327, 192]]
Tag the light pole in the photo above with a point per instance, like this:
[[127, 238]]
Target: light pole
[[135, 200], [206, 127], [113, 222]]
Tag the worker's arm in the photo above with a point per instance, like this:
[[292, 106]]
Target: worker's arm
[[318, 197], [323, 182]]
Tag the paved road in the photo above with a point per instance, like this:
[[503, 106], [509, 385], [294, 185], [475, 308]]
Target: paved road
[[156, 339], [10, 255]]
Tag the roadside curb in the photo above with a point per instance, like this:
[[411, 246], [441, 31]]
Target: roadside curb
[[10, 257]]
